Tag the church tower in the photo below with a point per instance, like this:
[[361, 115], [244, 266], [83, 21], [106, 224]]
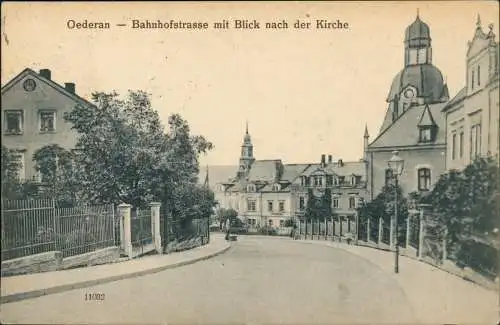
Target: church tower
[[419, 82], [246, 157]]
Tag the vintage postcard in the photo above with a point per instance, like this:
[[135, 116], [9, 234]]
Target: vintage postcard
[[250, 162]]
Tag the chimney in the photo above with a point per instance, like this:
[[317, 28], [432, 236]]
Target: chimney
[[70, 87], [330, 159], [340, 163], [323, 157], [45, 73]]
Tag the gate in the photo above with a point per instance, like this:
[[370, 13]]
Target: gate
[[141, 232]]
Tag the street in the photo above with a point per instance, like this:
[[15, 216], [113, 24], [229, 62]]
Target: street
[[259, 280]]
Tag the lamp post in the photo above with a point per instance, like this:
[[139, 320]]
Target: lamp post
[[396, 164]]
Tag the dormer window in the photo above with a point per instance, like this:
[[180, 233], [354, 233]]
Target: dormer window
[[276, 187], [318, 180], [425, 134], [341, 180], [250, 188], [336, 181], [329, 180], [353, 180]]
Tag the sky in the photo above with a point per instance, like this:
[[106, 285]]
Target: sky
[[303, 92]]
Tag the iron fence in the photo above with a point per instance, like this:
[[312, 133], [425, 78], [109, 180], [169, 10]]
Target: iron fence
[[178, 230], [37, 226]]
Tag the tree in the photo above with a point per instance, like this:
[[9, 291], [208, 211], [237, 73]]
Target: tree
[[60, 180], [10, 173], [319, 208], [125, 155], [464, 201]]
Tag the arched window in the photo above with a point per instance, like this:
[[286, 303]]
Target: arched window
[[424, 179]]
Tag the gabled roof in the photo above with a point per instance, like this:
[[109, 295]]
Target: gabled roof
[[292, 171], [348, 168], [404, 131], [459, 97], [49, 82], [426, 118], [217, 174], [265, 170]]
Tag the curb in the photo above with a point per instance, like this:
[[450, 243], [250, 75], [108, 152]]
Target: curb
[[85, 284]]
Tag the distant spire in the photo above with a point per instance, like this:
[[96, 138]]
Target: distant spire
[[247, 128], [366, 131], [207, 184], [478, 22], [418, 13]]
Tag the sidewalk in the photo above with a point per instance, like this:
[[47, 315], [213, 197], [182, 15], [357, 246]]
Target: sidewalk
[[435, 295], [22, 287]]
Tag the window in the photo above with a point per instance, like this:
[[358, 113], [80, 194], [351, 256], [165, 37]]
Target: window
[[358, 179], [270, 222], [302, 203], [388, 176], [341, 179], [281, 206], [307, 181], [352, 202], [475, 138], [461, 144], [318, 180], [252, 222], [329, 180], [251, 205], [424, 179], [250, 188], [270, 206], [425, 134], [47, 121], [13, 122], [276, 187], [479, 75], [336, 181], [353, 180], [453, 146], [282, 223], [302, 180], [472, 80], [335, 203]]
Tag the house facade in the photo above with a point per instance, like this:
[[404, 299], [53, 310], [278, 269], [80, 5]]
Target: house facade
[[268, 192], [472, 116], [33, 106], [413, 124]]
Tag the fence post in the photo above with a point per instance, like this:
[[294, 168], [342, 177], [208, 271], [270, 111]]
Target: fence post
[[124, 211], [445, 248], [155, 225], [326, 229], [368, 230], [340, 229], [380, 229], [421, 234], [408, 221], [391, 233]]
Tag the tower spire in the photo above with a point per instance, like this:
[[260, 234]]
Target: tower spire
[[418, 13], [246, 129], [206, 183], [366, 131], [478, 22]]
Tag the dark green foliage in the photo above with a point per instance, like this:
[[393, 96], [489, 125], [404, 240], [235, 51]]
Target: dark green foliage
[[319, 207]]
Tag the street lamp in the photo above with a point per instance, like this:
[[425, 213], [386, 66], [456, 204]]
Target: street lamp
[[396, 165]]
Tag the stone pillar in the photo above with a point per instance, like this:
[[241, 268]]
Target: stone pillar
[[408, 221], [380, 229], [155, 225], [368, 230], [333, 229], [124, 211]]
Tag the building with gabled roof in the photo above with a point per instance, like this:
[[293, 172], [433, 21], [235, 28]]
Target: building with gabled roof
[[32, 116], [413, 123], [472, 116], [268, 192]]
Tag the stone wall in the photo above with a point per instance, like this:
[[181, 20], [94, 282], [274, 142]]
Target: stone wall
[[53, 261]]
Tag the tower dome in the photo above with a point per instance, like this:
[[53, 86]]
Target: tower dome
[[426, 79], [417, 34]]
